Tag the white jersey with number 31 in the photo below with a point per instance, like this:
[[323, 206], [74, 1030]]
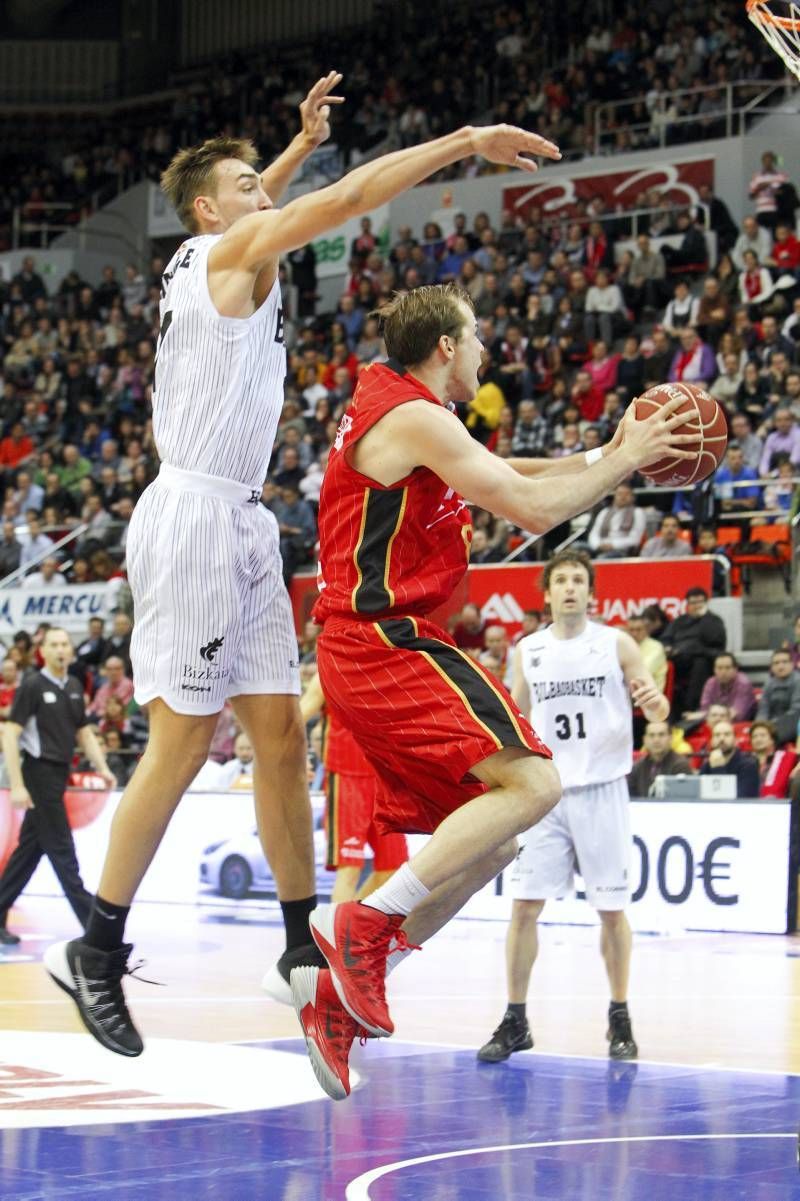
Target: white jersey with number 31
[[580, 704]]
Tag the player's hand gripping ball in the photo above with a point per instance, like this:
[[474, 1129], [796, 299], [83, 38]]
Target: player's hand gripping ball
[[704, 414]]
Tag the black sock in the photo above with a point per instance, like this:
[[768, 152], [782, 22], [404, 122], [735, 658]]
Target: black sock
[[617, 1007], [517, 1010], [105, 928], [295, 919]]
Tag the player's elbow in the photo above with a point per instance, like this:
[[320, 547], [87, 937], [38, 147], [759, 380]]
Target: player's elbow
[[543, 517]]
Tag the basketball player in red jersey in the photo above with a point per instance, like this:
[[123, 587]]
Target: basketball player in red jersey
[[350, 790], [454, 755]]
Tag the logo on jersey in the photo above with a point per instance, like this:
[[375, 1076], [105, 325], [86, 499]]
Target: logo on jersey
[[345, 426], [452, 504], [209, 651], [548, 690]]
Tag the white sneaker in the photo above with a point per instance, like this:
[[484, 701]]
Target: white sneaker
[[276, 987]]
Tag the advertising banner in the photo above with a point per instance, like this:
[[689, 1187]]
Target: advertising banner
[[71, 607], [696, 865], [678, 183], [622, 587], [504, 590], [333, 248]]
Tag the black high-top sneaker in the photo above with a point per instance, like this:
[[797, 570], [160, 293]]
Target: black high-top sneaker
[[93, 979], [621, 1043], [513, 1034]]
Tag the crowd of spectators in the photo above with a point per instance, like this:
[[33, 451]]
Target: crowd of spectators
[[448, 65], [76, 444]]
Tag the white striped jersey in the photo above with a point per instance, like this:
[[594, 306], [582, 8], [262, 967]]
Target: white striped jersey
[[580, 706], [218, 389]]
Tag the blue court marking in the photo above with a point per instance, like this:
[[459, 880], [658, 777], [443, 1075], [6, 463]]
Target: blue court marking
[[431, 1124]]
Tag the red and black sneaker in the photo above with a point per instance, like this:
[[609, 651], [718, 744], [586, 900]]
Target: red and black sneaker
[[355, 941], [328, 1028]]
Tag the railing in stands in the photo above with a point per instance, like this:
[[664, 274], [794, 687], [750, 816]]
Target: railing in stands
[[27, 231], [734, 515], [656, 129], [13, 576]]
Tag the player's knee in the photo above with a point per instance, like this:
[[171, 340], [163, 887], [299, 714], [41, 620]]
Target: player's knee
[[296, 744], [194, 747], [285, 745], [549, 785], [613, 919], [541, 793], [526, 913]]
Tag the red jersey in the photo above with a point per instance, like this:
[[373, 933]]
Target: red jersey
[[340, 752], [386, 551]]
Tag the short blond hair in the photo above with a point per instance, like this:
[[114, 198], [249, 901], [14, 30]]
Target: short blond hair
[[192, 173], [413, 322]]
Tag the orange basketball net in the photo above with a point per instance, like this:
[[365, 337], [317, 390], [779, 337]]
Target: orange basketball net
[[779, 22]]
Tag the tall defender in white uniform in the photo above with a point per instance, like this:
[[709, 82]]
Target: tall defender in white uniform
[[212, 616], [576, 680]]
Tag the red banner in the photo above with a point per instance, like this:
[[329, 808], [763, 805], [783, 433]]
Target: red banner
[[677, 182], [504, 591], [622, 587]]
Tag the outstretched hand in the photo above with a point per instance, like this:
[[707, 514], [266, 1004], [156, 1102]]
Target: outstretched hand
[[510, 145], [315, 110], [650, 438]]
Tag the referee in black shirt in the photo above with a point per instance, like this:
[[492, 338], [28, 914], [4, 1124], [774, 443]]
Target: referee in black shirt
[[46, 718]]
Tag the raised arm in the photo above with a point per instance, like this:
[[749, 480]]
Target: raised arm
[[315, 113], [257, 238], [433, 437]]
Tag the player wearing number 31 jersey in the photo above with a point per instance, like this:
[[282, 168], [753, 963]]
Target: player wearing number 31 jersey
[[576, 679]]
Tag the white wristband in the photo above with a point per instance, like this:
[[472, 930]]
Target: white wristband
[[594, 456]]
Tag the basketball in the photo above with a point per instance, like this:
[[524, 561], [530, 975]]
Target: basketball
[[712, 437]]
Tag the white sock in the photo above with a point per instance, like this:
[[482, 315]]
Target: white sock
[[401, 893], [395, 958]]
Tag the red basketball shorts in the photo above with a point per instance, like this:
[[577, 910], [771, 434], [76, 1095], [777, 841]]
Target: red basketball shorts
[[423, 712], [349, 811]]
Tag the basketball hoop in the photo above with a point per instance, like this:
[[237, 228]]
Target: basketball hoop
[[779, 23]]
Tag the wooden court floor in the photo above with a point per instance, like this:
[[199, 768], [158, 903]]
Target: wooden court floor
[[716, 1000]]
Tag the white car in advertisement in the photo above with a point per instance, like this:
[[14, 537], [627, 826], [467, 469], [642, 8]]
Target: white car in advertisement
[[236, 867]]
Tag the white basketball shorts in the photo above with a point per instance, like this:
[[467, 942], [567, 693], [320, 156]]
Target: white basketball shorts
[[588, 832], [212, 617]]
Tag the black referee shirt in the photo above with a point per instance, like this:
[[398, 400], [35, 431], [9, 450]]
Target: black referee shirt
[[50, 712]]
